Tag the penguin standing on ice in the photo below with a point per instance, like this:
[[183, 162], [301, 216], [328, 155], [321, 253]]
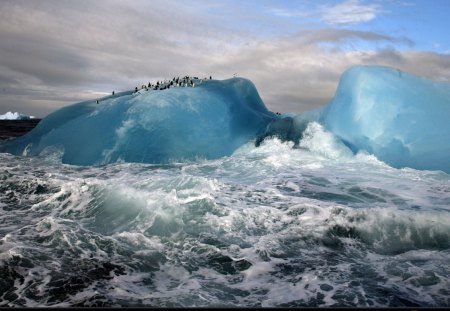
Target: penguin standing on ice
[[97, 101]]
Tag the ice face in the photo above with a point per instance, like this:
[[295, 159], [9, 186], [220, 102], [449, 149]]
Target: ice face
[[209, 121], [402, 119]]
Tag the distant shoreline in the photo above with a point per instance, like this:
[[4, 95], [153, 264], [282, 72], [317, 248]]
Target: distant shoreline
[[16, 128]]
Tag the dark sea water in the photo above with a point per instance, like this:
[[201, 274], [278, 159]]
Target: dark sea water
[[272, 226], [16, 128]]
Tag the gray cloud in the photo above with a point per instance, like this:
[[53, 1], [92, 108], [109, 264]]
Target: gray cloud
[[331, 35], [54, 53]]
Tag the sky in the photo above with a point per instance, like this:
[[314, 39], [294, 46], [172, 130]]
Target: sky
[[58, 52]]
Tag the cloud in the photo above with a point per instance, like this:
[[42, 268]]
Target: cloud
[[110, 45], [295, 74], [337, 36], [54, 53], [284, 12], [350, 12]]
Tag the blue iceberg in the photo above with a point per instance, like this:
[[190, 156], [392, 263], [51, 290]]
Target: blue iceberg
[[210, 120], [402, 119]]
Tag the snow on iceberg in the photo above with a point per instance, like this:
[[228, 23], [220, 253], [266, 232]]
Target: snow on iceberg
[[402, 119], [209, 120], [15, 116]]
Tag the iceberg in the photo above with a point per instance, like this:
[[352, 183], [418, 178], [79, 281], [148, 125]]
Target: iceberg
[[402, 119], [15, 116], [209, 121]]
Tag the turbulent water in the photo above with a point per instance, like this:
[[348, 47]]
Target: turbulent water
[[267, 226]]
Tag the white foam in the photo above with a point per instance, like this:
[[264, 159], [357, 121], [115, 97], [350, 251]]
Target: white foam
[[283, 221], [323, 143], [257, 269]]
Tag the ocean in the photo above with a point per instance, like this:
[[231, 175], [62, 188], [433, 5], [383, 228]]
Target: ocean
[[277, 225]]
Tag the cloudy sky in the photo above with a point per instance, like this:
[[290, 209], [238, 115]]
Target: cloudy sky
[[57, 52]]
